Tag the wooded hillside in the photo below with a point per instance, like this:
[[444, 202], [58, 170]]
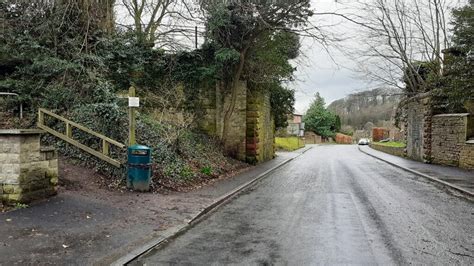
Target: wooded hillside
[[374, 106]]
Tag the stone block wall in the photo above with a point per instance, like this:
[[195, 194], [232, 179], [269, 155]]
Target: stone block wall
[[466, 156], [207, 109], [398, 151], [450, 144], [252, 128], [26, 172], [260, 127], [236, 141], [445, 139], [417, 126], [312, 138]]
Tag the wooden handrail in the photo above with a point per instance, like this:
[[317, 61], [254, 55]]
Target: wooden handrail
[[68, 137], [83, 128]]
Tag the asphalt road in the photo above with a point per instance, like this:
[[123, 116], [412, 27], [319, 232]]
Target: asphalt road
[[332, 205]]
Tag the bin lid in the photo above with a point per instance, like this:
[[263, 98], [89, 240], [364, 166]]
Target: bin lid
[[139, 147]]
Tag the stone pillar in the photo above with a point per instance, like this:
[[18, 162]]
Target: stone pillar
[[26, 173], [427, 122], [260, 127], [418, 130]]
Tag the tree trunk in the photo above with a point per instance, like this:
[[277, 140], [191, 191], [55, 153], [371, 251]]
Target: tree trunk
[[233, 98]]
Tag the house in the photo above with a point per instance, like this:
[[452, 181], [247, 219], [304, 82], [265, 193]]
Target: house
[[295, 125]]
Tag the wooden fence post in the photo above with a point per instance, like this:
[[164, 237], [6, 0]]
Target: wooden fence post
[[40, 117], [68, 130], [105, 147]]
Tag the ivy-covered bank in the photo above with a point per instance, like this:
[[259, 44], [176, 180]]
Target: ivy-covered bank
[[59, 56]]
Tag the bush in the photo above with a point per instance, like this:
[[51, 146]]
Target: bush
[[188, 158]]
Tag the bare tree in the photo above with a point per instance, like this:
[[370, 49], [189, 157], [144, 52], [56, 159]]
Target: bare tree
[[399, 38], [396, 35], [159, 22]]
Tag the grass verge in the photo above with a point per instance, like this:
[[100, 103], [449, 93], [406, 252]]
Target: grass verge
[[288, 143], [395, 144]]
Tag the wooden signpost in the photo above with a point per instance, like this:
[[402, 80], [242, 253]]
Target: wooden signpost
[[133, 102]]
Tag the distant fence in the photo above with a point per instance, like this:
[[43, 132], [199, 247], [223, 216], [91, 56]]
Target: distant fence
[[104, 154]]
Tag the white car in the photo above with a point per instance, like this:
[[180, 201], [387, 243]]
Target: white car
[[364, 142]]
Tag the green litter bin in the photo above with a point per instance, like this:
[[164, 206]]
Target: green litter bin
[[139, 167]]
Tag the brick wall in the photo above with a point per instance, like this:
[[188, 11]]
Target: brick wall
[[449, 140], [343, 139], [380, 133]]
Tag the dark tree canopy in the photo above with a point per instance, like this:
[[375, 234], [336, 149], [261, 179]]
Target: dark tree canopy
[[456, 88]]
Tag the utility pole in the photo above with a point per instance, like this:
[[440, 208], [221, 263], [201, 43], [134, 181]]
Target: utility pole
[[196, 36]]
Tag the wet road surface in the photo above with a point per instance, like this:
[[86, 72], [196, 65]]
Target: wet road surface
[[332, 205]]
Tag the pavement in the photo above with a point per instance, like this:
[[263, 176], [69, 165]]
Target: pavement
[[81, 227], [456, 178], [333, 205]]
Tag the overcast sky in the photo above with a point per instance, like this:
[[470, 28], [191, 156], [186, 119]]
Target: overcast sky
[[332, 73], [327, 73], [316, 71]]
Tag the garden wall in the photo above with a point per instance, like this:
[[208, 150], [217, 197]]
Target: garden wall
[[343, 139], [379, 133], [417, 119], [398, 151], [450, 145], [312, 138], [27, 173]]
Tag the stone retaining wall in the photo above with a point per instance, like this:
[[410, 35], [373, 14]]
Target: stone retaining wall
[[312, 138], [450, 145], [251, 131], [417, 120], [398, 151], [260, 146], [27, 173], [466, 156]]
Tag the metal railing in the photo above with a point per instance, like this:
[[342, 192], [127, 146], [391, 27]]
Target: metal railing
[[104, 154]]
